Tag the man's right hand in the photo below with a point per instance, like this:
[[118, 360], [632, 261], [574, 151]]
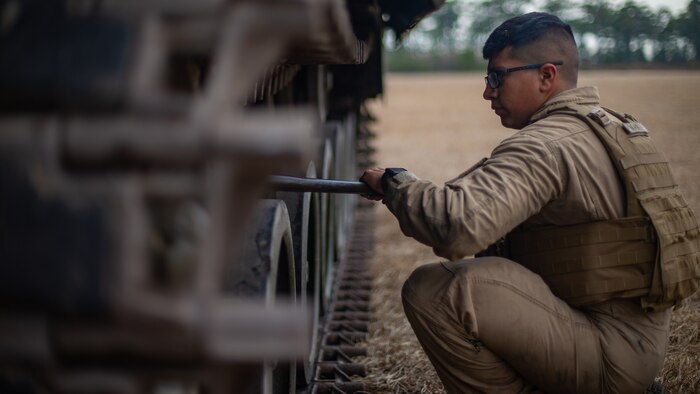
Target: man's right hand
[[372, 177]]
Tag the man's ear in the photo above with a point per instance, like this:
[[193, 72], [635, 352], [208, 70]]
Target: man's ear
[[548, 77]]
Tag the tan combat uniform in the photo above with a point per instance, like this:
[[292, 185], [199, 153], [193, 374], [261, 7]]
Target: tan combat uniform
[[491, 325]]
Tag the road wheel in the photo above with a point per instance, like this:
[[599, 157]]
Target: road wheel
[[266, 270], [328, 226], [304, 214]]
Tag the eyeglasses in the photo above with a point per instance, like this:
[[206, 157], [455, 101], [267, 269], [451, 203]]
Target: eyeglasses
[[494, 78]]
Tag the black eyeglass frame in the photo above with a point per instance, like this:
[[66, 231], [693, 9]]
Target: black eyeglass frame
[[494, 78]]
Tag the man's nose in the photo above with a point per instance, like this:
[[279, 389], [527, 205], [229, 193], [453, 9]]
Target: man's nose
[[490, 94]]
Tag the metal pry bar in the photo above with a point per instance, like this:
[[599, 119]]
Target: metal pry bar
[[296, 184]]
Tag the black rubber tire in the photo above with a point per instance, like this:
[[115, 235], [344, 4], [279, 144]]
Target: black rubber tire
[[266, 270], [314, 287], [304, 214], [328, 235]]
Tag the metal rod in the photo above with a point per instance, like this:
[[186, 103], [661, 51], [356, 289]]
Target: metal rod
[[296, 184]]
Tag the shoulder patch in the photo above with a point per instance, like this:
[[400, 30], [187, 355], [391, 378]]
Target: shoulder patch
[[634, 128]]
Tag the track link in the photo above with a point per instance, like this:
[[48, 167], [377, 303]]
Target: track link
[[346, 327]]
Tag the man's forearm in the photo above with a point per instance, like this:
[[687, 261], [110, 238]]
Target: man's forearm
[[433, 215]]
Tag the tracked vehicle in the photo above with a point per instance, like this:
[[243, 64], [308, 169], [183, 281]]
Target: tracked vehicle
[[142, 247]]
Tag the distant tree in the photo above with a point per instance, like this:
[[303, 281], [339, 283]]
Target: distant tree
[[570, 12], [688, 26], [623, 33], [663, 36], [668, 45], [470, 59], [488, 14], [403, 59], [632, 25], [443, 32], [597, 19], [564, 9]]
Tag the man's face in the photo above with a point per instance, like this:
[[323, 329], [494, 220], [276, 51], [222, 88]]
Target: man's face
[[518, 97]]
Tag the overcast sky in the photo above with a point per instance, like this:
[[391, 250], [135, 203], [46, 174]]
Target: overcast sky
[[674, 5]]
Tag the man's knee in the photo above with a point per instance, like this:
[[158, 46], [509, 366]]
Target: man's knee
[[430, 283], [479, 266], [425, 285]]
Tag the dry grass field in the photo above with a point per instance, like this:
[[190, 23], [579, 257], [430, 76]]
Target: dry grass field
[[437, 126]]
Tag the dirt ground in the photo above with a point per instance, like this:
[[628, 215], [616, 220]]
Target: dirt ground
[[437, 126]]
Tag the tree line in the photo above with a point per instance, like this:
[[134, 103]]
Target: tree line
[[628, 34]]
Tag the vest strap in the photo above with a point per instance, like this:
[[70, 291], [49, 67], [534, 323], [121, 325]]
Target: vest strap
[[653, 182], [630, 161], [676, 222], [573, 290], [552, 238], [682, 248], [684, 269], [644, 255]]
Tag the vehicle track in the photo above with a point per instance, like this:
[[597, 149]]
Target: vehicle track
[[346, 325]]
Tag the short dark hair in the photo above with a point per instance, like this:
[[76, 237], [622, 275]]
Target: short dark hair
[[536, 37], [523, 30]]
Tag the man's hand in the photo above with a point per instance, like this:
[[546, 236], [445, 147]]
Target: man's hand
[[372, 177]]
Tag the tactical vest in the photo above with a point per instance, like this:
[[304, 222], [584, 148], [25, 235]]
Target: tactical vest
[[651, 253]]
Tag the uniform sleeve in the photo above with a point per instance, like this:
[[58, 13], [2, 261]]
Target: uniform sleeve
[[474, 210]]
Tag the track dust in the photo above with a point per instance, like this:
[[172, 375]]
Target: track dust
[[437, 125]]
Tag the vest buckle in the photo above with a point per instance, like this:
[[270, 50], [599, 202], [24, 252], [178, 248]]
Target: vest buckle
[[600, 117]]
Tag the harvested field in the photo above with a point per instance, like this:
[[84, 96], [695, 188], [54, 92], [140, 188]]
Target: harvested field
[[437, 126]]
